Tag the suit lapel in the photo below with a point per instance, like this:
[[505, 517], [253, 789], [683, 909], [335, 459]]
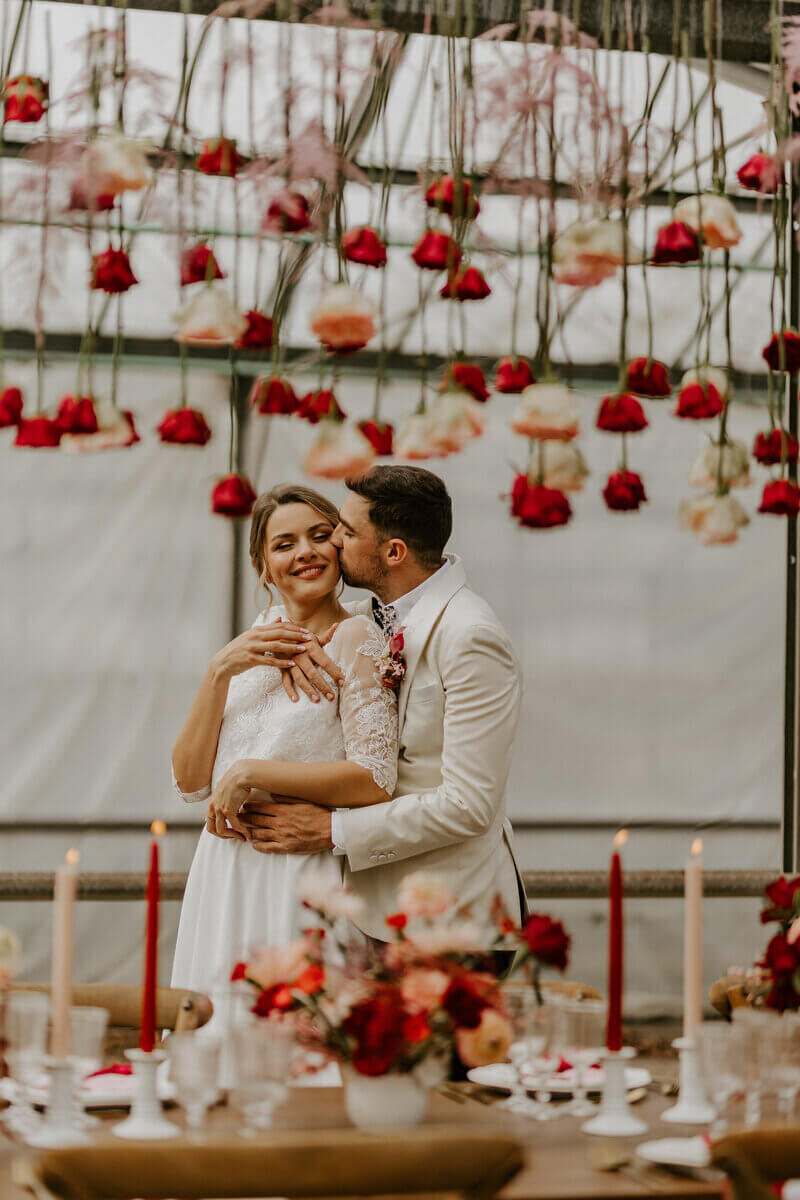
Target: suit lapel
[[421, 620]]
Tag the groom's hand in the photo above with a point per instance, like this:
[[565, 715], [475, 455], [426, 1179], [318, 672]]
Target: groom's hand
[[288, 828], [306, 675], [230, 793]]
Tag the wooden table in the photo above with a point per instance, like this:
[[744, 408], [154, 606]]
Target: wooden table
[[558, 1162]]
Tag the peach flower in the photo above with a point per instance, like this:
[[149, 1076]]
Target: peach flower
[[455, 937], [715, 519], [340, 452], [713, 216], [457, 419], [113, 163], [278, 964], [590, 251], [344, 320], [735, 472], [208, 317], [419, 437], [424, 894], [115, 430], [489, 1043], [546, 410], [564, 466], [331, 899], [423, 989]]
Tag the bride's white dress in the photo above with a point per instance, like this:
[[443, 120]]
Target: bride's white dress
[[236, 898]]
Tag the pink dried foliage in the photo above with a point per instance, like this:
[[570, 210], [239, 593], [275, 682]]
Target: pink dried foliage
[[336, 14], [557, 30], [313, 156]]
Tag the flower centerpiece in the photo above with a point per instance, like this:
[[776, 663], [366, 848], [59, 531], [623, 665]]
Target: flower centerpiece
[[781, 961]]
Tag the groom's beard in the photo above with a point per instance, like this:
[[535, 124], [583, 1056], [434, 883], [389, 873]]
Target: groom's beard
[[369, 575]]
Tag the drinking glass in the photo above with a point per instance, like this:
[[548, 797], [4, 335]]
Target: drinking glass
[[784, 1062], [194, 1070], [584, 1036], [723, 1053], [539, 1064], [26, 1039], [87, 1036], [519, 1003], [757, 1027], [262, 1054]]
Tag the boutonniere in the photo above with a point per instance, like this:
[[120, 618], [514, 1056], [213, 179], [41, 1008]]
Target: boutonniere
[[392, 661]]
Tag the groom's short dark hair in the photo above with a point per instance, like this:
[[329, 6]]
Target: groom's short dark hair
[[408, 503]]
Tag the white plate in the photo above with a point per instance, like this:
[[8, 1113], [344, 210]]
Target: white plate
[[692, 1152], [502, 1075]]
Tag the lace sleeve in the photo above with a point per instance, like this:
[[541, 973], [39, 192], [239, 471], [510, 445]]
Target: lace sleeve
[[191, 797], [368, 712]]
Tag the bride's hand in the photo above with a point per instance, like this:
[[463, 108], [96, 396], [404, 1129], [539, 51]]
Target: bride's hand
[[275, 645], [306, 673], [227, 798]]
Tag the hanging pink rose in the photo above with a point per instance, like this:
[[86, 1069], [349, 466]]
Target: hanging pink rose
[[362, 245], [564, 466], [37, 433], [198, 265], [272, 396], [420, 438], [467, 377], [10, 406], [319, 406], [111, 272], [25, 98], [760, 173], [768, 446], [676, 243], [715, 519], [340, 452], [436, 251], [727, 466], [457, 418], [546, 410], [590, 251], [344, 320], [781, 498], [712, 215], [258, 334], [624, 491], [648, 377], [513, 375], [791, 351], [208, 317], [76, 414], [447, 198], [184, 427], [113, 163], [540, 507], [468, 284], [379, 434], [289, 212], [621, 413], [233, 496], [219, 156]]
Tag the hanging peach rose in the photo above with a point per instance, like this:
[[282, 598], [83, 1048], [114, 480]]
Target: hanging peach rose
[[340, 452], [546, 410], [564, 466], [735, 467], [715, 519], [457, 419], [209, 317], [344, 320], [488, 1043], [713, 216], [113, 163], [420, 438], [591, 251]]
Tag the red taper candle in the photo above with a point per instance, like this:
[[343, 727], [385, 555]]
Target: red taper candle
[[615, 947], [147, 1034]]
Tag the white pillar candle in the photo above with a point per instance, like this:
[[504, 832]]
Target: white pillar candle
[[693, 942], [61, 980]]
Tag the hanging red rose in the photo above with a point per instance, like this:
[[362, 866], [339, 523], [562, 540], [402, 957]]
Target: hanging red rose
[[184, 427], [676, 243], [466, 377], [219, 157], [455, 201], [468, 284], [25, 98], [273, 396], [258, 334], [541, 507], [362, 245], [436, 251], [289, 212], [624, 491], [621, 413], [233, 496], [379, 434], [791, 352], [648, 377], [37, 433], [111, 272], [760, 173], [513, 375], [76, 414], [780, 498], [767, 447], [697, 402], [10, 406], [83, 198], [198, 264], [319, 406]]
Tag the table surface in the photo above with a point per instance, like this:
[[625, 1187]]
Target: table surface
[[559, 1158]]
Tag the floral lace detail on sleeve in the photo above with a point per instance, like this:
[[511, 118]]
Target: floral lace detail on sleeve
[[367, 710], [191, 797]]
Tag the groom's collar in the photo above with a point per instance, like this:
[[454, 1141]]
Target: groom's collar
[[404, 604]]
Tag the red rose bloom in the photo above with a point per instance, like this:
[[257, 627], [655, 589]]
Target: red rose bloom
[[513, 376], [362, 245], [436, 252], [37, 433], [10, 406], [289, 212], [467, 377], [25, 98], [397, 920], [621, 413], [782, 995], [780, 498], [76, 415], [648, 378], [676, 243], [624, 491], [780, 893], [311, 980], [377, 1026], [219, 157], [184, 427], [443, 195], [697, 402], [767, 447], [519, 491], [83, 199], [791, 353], [111, 272], [781, 957], [274, 999], [273, 397], [759, 174], [416, 1029], [239, 972], [258, 334], [464, 1003], [547, 940], [319, 406], [468, 284], [233, 496], [198, 264], [542, 507], [379, 434]]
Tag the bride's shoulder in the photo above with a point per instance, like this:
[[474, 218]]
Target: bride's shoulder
[[353, 632], [269, 614]]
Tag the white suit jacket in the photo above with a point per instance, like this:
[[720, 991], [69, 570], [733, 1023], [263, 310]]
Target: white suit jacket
[[458, 709]]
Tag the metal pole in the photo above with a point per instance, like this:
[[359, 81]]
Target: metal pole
[[791, 795]]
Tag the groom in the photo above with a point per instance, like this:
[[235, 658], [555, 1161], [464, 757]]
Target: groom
[[458, 707]]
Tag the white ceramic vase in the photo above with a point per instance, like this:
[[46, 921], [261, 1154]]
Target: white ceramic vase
[[383, 1101]]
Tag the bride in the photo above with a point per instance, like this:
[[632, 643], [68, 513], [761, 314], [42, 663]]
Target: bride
[[340, 752]]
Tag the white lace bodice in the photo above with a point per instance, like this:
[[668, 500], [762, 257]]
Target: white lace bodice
[[260, 721]]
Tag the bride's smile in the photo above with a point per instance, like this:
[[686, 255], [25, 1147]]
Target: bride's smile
[[300, 559]]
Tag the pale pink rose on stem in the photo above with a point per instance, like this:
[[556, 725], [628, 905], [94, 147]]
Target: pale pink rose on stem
[[208, 317], [113, 163], [489, 1043], [423, 989], [590, 251], [424, 894], [548, 411], [456, 937], [457, 419], [715, 519], [344, 320], [340, 452], [713, 216], [564, 466], [419, 437], [331, 899], [278, 964], [734, 471]]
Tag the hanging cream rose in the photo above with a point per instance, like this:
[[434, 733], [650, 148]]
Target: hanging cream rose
[[419, 437], [344, 320], [715, 519], [590, 251], [208, 317], [564, 466], [457, 418], [113, 163], [546, 410], [713, 216], [732, 471], [340, 452]]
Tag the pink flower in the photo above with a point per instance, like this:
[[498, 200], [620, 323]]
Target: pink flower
[[422, 988], [715, 519], [419, 438], [278, 964], [591, 251], [423, 894], [712, 215], [489, 1043], [344, 320], [546, 410], [113, 163], [340, 452], [208, 317]]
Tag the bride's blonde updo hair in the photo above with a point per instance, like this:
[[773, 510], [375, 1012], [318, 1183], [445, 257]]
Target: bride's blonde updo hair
[[284, 493]]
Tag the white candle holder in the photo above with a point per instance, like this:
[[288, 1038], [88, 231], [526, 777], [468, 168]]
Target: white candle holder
[[146, 1121], [60, 1125], [615, 1118], [692, 1107]]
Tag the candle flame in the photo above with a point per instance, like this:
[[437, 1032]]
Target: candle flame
[[697, 847], [72, 857], [621, 839], [158, 828]]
